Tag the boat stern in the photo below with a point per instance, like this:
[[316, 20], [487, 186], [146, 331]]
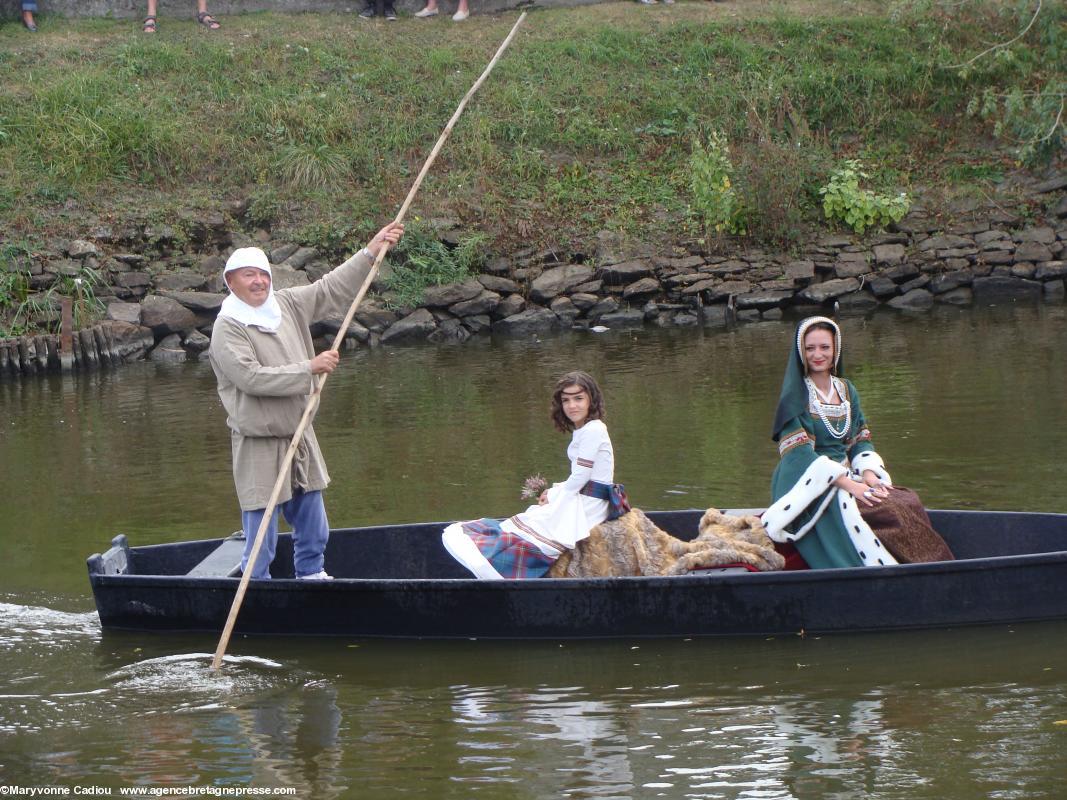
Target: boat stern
[[116, 561]]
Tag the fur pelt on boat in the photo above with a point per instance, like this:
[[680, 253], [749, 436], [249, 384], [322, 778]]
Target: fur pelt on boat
[[632, 545]]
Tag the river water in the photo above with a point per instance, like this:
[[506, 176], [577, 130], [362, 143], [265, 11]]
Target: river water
[[965, 406]]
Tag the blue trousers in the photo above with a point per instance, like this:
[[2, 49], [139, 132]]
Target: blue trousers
[[29, 5], [307, 514]]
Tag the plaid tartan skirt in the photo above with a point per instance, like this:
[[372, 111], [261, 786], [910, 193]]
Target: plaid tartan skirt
[[511, 555]]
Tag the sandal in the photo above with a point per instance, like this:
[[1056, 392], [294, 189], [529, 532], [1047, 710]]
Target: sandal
[[208, 21], [149, 25]]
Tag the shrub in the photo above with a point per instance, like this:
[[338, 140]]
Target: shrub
[[81, 288], [858, 208], [14, 285], [776, 183], [41, 311], [264, 207], [716, 203], [1022, 118], [14, 289], [427, 261]]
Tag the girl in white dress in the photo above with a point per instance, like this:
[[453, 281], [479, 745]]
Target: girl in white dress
[[527, 544]]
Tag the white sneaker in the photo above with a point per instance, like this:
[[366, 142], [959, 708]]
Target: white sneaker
[[317, 576], [459, 16], [426, 12]]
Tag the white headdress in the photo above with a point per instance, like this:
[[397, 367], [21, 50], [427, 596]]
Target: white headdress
[[806, 325], [268, 315]]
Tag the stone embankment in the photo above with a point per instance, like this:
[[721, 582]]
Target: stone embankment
[[162, 297]]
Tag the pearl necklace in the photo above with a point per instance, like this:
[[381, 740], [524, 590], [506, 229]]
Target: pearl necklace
[[819, 401]]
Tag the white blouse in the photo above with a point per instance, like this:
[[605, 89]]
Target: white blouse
[[568, 516]]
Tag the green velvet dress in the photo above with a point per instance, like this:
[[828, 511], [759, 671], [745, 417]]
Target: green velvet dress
[[805, 439], [808, 510]]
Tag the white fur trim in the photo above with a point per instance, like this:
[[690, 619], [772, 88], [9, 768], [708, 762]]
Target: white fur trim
[[813, 484], [872, 461], [869, 547]]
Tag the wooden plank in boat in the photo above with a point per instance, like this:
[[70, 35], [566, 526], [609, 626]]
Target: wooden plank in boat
[[222, 562]]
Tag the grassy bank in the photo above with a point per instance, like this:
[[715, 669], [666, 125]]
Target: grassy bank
[[587, 123]]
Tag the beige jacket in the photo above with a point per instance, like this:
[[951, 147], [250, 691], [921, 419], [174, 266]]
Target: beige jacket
[[264, 382]]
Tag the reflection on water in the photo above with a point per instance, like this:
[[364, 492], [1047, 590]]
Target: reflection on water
[[965, 408], [581, 737], [294, 739], [935, 714]]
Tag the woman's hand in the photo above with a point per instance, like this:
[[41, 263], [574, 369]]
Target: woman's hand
[[866, 495], [871, 479], [542, 498], [390, 234]]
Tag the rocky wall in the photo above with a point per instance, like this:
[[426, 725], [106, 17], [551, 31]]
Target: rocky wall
[[163, 289]]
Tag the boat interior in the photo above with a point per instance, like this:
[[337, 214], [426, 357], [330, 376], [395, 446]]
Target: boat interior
[[414, 551]]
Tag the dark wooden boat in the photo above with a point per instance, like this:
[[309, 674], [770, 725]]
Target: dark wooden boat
[[398, 581]]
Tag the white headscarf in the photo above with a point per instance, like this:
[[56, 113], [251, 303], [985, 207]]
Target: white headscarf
[[267, 316], [802, 330]]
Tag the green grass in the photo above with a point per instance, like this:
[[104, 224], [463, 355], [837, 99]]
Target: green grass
[[427, 261], [587, 122]]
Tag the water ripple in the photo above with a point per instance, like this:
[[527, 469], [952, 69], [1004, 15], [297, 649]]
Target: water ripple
[[22, 625]]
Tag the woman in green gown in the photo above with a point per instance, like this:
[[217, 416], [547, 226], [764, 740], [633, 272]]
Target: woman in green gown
[[830, 485]]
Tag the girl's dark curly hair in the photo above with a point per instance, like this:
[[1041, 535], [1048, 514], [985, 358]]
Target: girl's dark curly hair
[[589, 385]]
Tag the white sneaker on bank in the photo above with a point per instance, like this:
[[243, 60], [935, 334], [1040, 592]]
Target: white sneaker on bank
[[459, 16], [426, 12], [316, 576]]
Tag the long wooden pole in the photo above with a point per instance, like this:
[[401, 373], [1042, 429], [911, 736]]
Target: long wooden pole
[[313, 398]]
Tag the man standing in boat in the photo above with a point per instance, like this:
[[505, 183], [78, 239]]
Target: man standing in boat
[[263, 357]]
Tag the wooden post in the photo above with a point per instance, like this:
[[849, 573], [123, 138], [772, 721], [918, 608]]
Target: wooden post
[[66, 327], [77, 358], [40, 345], [26, 355], [88, 346], [53, 351], [101, 344]]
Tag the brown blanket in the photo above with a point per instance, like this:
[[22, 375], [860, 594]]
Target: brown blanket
[[632, 545], [904, 527]]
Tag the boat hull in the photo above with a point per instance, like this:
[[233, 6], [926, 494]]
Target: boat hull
[[1010, 568]]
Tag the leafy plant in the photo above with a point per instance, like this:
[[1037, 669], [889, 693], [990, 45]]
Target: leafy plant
[[81, 288], [1023, 118], [1027, 104], [780, 166], [14, 289], [427, 261], [14, 286], [674, 123], [42, 309], [34, 310], [716, 202], [263, 207], [844, 200], [328, 235]]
